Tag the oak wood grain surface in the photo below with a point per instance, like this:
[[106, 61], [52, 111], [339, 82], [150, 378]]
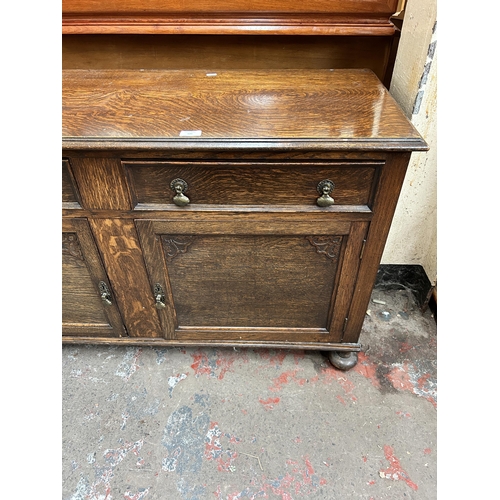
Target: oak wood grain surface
[[350, 107], [250, 183], [70, 195], [384, 205], [251, 281], [227, 25], [230, 16], [101, 183], [118, 242], [226, 52], [264, 265], [265, 344], [82, 270], [240, 6], [240, 278]]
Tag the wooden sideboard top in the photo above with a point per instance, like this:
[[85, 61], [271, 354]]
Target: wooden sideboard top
[[341, 109]]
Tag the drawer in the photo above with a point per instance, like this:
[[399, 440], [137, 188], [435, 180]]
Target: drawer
[[223, 183]]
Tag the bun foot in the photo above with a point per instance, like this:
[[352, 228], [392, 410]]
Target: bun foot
[[343, 360]]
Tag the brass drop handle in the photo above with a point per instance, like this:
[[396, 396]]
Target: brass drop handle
[[180, 186], [105, 293], [324, 188], [159, 296]]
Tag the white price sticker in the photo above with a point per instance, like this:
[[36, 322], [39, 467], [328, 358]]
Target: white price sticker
[[190, 133]]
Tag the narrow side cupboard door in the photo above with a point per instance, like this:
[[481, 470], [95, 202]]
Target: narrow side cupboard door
[[88, 305], [251, 278]]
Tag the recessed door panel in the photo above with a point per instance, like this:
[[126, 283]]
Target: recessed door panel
[[250, 280], [247, 280]]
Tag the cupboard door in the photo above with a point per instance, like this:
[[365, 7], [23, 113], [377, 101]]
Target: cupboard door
[[88, 305], [252, 278]]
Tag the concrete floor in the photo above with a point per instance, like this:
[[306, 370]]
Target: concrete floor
[[226, 424]]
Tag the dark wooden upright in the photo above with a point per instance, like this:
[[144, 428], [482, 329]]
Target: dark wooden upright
[[218, 206]]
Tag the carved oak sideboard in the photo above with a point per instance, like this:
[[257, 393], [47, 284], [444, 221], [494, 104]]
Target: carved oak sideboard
[[230, 208]]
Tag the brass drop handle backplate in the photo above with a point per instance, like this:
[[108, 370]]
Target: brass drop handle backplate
[[105, 293], [180, 186], [324, 188], [159, 296]]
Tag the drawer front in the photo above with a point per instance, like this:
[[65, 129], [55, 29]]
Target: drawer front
[[250, 183]]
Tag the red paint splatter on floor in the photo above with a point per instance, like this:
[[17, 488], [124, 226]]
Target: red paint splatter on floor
[[269, 403], [371, 483], [275, 358], [405, 347], [200, 365], [233, 496], [330, 373], [307, 473], [395, 471], [367, 368], [214, 450], [298, 356], [327, 376], [400, 379], [404, 414], [309, 470], [297, 481], [423, 380], [427, 451], [365, 458], [285, 378], [233, 439], [407, 377]]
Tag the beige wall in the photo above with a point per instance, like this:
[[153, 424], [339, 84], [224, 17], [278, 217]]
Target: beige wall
[[413, 235]]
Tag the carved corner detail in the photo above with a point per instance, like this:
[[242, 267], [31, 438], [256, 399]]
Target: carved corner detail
[[327, 245], [71, 246], [173, 245]]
